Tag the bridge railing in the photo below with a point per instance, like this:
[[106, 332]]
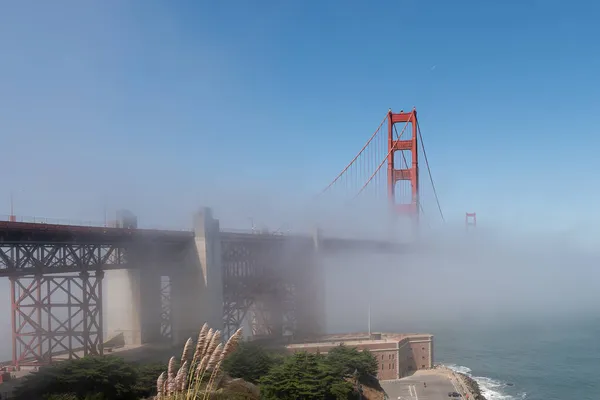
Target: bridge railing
[[255, 231], [51, 221], [76, 222]]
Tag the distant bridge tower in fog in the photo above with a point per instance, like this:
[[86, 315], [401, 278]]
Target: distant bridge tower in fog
[[470, 220]]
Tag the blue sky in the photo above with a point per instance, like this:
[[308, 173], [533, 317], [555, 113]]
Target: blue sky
[[164, 106]]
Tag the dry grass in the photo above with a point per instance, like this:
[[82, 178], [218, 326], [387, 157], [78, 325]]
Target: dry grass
[[199, 374]]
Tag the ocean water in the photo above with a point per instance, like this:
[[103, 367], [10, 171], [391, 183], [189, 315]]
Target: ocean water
[[551, 359], [536, 358]]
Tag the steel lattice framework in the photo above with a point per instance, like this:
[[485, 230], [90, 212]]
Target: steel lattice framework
[[166, 323], [261, 276], [56, 294], [56, 274], [56, 316]]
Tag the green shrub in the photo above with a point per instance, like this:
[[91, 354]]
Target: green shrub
[[90, 378]]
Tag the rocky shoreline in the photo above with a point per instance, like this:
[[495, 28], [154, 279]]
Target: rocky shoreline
[[468, 387], [471, 385]]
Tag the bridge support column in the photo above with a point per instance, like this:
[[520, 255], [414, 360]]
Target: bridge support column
[[197, 288], [311, 294], [133, 306], [133, 296]]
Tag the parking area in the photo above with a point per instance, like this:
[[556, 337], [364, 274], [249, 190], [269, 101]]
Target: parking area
[[438, 385]]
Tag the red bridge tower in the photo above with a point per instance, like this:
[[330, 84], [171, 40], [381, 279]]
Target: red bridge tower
[[471, 220], [410, 172]]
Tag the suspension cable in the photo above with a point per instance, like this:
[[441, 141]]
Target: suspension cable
[[437, 200], [424, 216], [420, 205], [356, 157], [379, 167]]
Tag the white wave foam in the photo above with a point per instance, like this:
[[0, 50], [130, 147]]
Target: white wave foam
[[490, 388]]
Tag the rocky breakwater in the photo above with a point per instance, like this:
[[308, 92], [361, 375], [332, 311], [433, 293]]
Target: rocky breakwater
[[471, 386], [464, 384]]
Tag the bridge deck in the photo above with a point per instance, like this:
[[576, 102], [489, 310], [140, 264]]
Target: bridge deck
[[20, 232], [43, 233]]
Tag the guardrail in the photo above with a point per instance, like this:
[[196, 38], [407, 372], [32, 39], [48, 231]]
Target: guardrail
[[255, 231], [50, 221], [76, 222]]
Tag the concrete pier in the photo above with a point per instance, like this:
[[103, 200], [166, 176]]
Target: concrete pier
[[197, 287], [121, 297], [134, 301], [311, 296]]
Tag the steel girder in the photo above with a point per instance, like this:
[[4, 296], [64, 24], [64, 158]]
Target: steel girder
[[20, 259]]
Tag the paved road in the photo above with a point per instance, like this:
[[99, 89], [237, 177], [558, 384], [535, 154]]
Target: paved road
[[411, 388]]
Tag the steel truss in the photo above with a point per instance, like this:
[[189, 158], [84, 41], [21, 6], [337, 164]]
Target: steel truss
[[44, 258], [166, 323], [260, 282], [274, 314], [56, 317]]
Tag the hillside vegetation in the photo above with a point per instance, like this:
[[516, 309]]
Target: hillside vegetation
[[211, 369]]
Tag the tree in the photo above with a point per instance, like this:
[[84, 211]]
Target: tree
[[344, 361], [304, 376], [249, 362], [89, 378], [315, 376]]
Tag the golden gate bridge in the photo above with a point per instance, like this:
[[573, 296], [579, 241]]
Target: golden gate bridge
[[271, 279]]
